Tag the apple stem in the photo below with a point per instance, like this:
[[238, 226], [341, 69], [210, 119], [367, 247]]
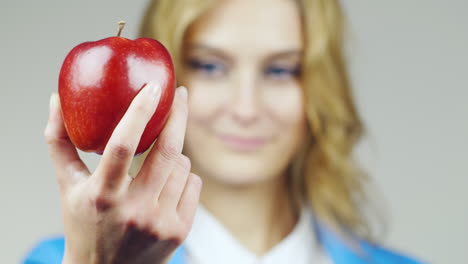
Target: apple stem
[[120, 28]]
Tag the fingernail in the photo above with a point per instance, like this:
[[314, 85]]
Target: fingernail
[[182, 91]]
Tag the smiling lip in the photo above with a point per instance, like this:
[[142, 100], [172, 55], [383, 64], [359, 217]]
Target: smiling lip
[[242, 143]]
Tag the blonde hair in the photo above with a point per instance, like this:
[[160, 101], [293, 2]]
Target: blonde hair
[[324, 170]]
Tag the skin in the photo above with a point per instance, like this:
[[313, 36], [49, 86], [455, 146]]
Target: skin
[[246, 111], [110, 217], [246, 123]]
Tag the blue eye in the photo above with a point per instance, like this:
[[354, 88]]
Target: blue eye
[[206, 67], [282, 72]]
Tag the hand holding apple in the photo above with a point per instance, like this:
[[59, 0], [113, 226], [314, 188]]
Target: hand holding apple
[[110, 217]]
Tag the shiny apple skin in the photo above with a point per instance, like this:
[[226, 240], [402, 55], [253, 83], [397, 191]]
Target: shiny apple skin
[[98, 81]]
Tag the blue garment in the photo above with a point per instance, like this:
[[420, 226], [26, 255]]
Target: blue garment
[[51, 251]]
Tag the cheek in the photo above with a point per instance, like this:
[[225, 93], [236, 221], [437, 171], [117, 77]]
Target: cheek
[[285, 105], [205, 99], [205, 102]]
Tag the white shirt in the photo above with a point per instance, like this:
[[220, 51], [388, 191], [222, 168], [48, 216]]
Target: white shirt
[[210, 243]]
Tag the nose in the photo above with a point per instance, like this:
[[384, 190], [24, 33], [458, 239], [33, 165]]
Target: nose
[[245, 103]]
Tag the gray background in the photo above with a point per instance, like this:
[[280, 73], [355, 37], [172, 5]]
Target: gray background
[[409, 66]]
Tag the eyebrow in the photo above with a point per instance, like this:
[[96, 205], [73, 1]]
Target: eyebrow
[[286, 53], [216, 51], [222, 54]]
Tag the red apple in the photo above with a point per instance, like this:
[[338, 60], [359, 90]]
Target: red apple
[[98, 81]]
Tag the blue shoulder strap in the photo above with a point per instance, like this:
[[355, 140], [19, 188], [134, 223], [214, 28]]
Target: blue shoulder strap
[[365, 253], [51, 251]]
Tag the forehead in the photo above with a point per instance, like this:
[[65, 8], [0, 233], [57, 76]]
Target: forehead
[[249, 27]]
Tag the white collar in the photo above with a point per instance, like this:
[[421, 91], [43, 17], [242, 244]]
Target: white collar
[[210, 243]]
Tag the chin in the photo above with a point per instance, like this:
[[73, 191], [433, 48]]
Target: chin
[[240, 178]]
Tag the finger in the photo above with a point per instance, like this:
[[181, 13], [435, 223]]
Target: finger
[[189, 200], [160, 161], [172, 191], [121, 147], [64, 154]]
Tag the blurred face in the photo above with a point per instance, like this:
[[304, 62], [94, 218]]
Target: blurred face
[[242, 64]]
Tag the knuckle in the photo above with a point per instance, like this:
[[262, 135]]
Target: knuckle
[[103, 203], [170, 151], [149, 228], [142, 228], [143, 109], [121, 150], [130, 224]]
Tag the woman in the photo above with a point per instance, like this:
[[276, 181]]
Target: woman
[[271, 130]]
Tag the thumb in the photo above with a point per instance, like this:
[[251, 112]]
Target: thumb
[[64, 154]]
